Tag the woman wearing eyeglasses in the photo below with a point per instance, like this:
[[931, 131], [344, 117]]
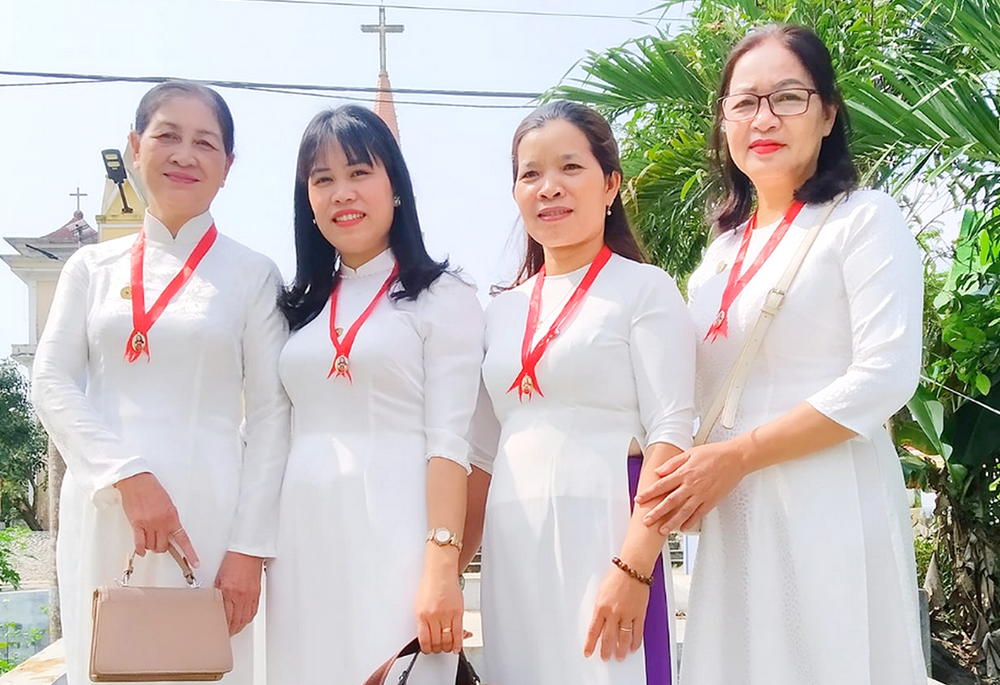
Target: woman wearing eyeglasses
[[805, 570]]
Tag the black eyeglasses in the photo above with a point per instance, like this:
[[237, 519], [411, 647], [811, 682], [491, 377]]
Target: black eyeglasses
[[787, 102]]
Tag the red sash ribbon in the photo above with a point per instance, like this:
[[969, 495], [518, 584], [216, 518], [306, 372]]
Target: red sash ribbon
[[737, 281], [527, 381], [342, 358], [142, 321]]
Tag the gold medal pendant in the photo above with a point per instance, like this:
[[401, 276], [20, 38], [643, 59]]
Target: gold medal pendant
[[339, 332], [126, 292], [527, 386], [138, 342], [342, 365]]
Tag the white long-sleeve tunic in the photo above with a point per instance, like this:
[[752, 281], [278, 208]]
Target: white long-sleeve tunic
[[559, 505], [805, 572], [353, 517], [214, 359]]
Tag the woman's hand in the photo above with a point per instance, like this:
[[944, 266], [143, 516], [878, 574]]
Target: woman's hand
[[440, 605], [153, 517], [692, 483], [239, 580], [619, 616]]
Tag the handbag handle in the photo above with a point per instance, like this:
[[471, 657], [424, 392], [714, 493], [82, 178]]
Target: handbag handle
[[727, 400], [413, 649], [181, 560]]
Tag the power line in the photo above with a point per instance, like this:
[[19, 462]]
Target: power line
[[461, 10], [983, 405], [44, 83], [460, 105], [105, 78]]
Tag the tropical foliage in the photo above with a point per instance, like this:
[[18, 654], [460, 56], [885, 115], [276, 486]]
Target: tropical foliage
[[22, 449], [920, 81]]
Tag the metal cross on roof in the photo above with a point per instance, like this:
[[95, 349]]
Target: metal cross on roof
[[78, 195], [382, 29]]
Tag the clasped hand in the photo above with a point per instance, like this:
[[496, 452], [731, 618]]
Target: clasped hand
[[691, 484]]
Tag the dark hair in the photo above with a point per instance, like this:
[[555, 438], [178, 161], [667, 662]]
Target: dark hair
[[618, 233], [161, 93], [364, 137], [835, 172]]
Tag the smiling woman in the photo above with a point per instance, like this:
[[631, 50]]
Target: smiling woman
[[591, 352], [153, 443], [382, 369], [183, 148], [805, 570]]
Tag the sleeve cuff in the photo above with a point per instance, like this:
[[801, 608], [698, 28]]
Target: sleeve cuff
[[105, 494], [865, 429], [252, 551], [448, 446]]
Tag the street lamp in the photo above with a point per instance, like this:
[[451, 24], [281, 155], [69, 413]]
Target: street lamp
[[115, 166]]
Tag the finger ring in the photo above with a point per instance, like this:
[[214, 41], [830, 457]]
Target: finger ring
[[446, 630], [179, 530], [624, 629]]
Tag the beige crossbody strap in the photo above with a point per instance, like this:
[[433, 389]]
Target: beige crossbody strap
[[728, 399]]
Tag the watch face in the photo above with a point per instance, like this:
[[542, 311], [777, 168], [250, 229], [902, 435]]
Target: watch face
[[442, 536]]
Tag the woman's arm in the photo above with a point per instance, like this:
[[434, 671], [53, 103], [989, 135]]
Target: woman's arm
[[883, 280], [94, 453], [253, 532], [267, 412], [692, 483], [452, 330], [662, 349], [484, 435]]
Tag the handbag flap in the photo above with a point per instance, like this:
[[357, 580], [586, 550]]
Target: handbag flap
[[154, 633]]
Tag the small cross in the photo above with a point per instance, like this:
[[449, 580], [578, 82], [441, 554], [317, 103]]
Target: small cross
[[78, 195], [382, 29]]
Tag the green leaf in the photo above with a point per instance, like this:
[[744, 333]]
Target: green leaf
[[958, 473], [983, 384], [928, 412]]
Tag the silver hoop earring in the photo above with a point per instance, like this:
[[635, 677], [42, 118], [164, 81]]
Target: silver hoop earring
[[396, 201]]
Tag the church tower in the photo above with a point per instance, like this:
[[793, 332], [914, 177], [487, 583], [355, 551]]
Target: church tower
[[38, 262], [384, 105]]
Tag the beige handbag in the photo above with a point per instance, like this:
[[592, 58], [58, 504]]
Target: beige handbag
[[144, 634]]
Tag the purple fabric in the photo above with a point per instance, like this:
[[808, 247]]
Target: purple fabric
[[656, 634]]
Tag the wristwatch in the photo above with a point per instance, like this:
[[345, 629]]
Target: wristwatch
[[443, 537]]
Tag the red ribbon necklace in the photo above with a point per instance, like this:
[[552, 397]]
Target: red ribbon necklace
[[142, 321], [342, 358], [527, 382], [737, 281]]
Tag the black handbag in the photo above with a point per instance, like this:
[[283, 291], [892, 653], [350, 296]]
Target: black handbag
[[466, 674]]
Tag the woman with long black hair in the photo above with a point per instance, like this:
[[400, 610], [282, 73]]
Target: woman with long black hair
[[382, 369]]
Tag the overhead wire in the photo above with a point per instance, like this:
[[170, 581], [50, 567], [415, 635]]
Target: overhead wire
[[293, 86], [461, 10]]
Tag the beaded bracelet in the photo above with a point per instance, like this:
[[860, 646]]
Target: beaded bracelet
[[645, 580]]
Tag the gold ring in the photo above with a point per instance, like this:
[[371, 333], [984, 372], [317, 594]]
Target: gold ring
[[179, 530], [446, 630], [624, 629]]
